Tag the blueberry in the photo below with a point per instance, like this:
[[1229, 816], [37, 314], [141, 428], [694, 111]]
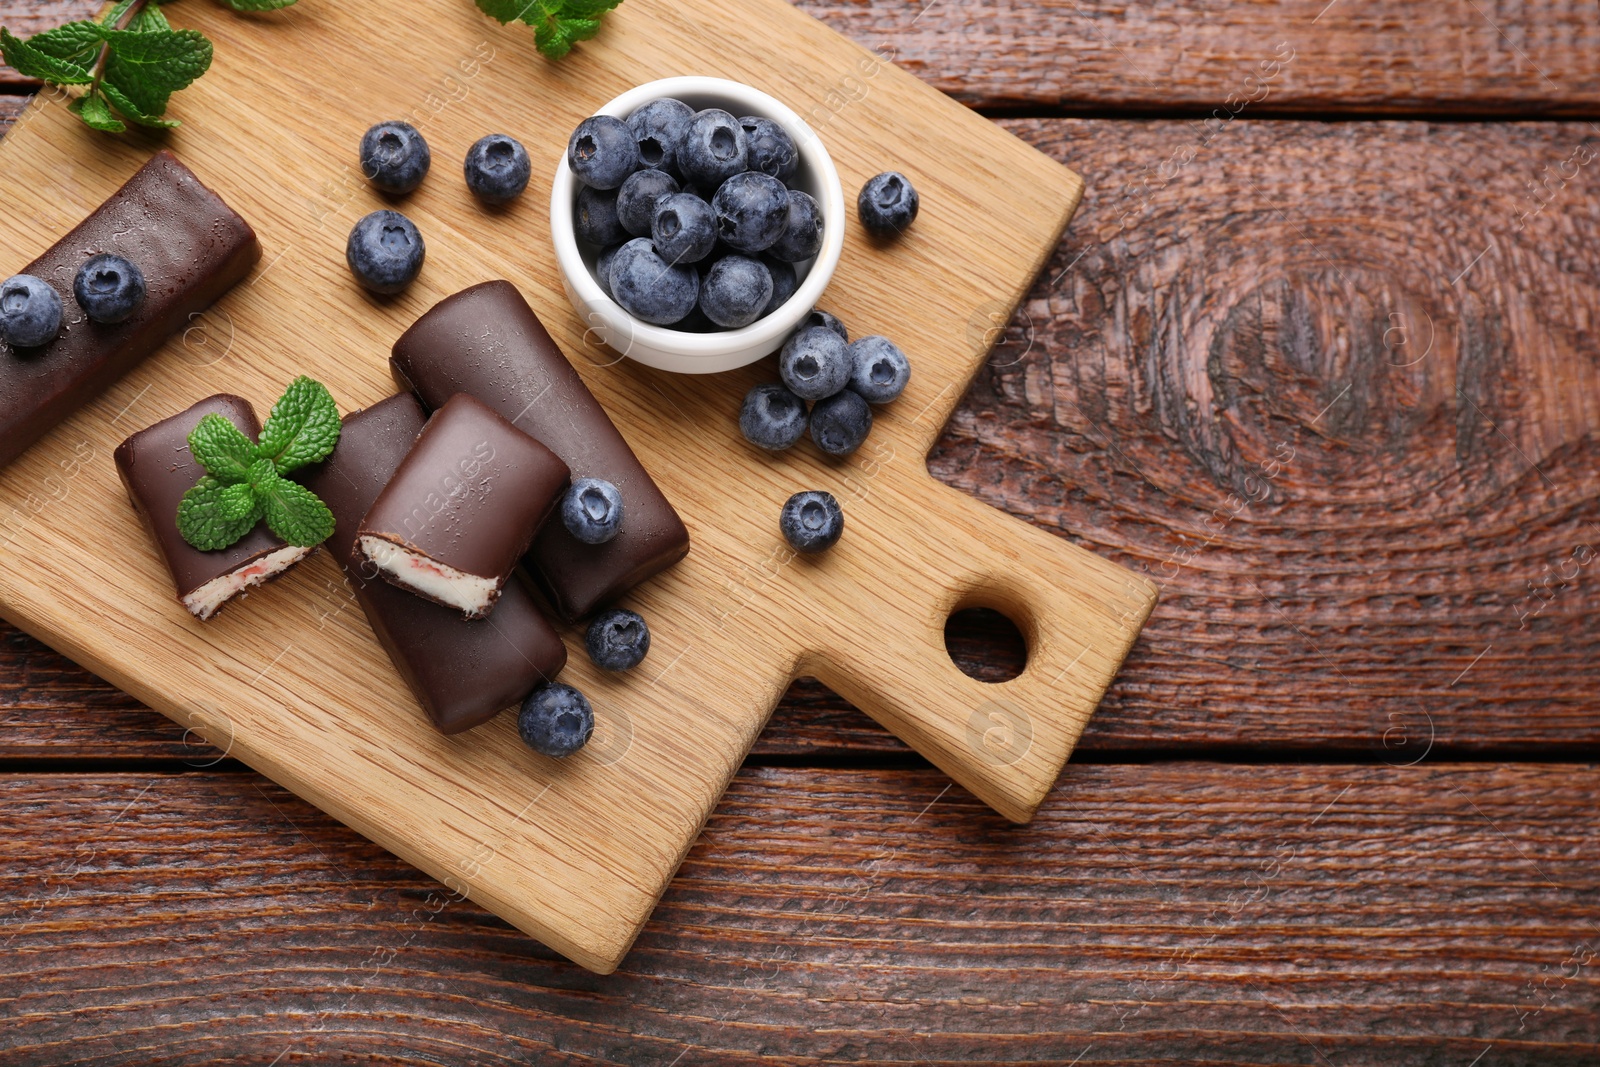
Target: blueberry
[[840, 423], [658, 129], [772, 417], [595, 219], [829, 321], [636, 200], [752, 210], [802, 233], [736, 291], [784, 283], [887, 203], [602, 268], [684, 228], [713, 149], [592, 510], [108, 287], [30, 311], [879, 370], [394, 157], [650, 288], [602, 152], [617, 640], [769, 148], [814, 363], [556, 720], [385, 251], [497, 168], [696, 322], [811, 521]]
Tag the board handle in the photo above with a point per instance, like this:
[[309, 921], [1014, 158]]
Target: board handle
[[1006, 741]]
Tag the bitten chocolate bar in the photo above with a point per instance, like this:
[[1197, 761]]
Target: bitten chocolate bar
[[486, 341], [463, 673], [157, 469], [462, 507], [190, 246]]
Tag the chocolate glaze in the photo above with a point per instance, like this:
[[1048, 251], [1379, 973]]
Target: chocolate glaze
[[191, 247], [462, 672], [470, 494], [486, 341]]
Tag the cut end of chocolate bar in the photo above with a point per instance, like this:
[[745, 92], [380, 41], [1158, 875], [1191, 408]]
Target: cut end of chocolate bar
[[207, 600], [471, 594]]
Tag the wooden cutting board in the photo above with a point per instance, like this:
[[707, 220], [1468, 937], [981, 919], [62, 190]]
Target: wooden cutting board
[[291, 681]]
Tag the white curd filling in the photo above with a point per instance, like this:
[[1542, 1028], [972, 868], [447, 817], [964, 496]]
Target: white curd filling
[[470, 593], [204, 602]]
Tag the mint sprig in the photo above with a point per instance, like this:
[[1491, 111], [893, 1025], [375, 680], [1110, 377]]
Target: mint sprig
[[244, 482], [557, 24]]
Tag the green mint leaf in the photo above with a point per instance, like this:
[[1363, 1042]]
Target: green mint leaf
[[208, 515], [557, 24], [96, 114], [295, 514], [256, 5], [132, 111], [504, 11], [33, 62], [587, 9], [222, 449], [303, 426], [150, 17], [555, 37], [147, 66], [76, 42], [237, 502]]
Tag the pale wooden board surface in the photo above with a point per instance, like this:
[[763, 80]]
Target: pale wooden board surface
[[290, 680]]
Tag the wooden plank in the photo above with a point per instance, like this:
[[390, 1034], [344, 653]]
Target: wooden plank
[[1165, 914]]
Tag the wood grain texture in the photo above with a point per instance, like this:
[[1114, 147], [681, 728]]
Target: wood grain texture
[[1172, 914]]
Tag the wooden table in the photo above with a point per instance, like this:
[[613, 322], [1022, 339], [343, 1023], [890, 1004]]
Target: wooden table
[[1321, 354]]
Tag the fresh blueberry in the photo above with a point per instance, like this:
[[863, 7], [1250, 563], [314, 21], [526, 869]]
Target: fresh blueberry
[[650, 288], [811, 521], [602, 152], [879, 370], [772, 417], [752, 210], [802, 233], [497, 168], [736, 291], [636, 200], [659, 128], [684, 228], [108, 287], [769, 148], [385, 251], [602, 268], [840, 423], [814, 363], [617, 640], [596, 219], [713, 149], [394, 157], [30, 311], [827, 320], [887, 203], [592, 510], [556, 720], [784, 283]]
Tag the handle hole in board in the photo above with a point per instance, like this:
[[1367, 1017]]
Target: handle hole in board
[[985, 644]]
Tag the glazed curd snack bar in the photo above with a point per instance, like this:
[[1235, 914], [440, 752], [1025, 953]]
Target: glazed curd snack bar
[[462, 672], [191, 248], [157, 469], [462, 507], [486, 341]]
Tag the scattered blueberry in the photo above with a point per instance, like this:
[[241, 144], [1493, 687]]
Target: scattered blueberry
[[802, 235], [602, 152], [385, 251], [736, 291], [772, 417], [592, 510], [497, 168], [636, 199], [556, 720], [840, 423], [784, 283], [602, 268], [713, 149], [650, 288], [30, 311], [108, 287], [684, 228], [814, 363], [811, 521], [879, 370], [659, 128], [394, 157], [769, 148], [617, 640], [826, 320], [887, 203], [752, 210], [596, 219]]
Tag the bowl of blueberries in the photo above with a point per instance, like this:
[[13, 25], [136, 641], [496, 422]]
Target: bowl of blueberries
[[696, 222]]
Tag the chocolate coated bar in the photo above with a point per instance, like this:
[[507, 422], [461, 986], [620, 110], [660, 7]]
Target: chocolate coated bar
[[462, 672], [486, 341], [157, 469], [190, 246]]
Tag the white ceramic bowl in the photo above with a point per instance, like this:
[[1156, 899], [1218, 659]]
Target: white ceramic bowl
[[676, 350]]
